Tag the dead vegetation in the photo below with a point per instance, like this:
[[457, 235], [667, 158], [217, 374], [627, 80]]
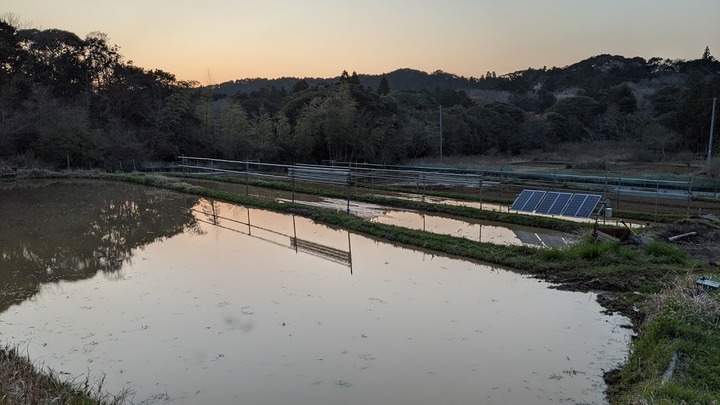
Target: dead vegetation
[[22, 382]]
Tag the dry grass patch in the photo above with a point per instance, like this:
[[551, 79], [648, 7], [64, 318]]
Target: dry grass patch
[[21, 382]]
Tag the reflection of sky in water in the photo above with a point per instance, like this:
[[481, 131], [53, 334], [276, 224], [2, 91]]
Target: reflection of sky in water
[[481, 231], [218, 316]]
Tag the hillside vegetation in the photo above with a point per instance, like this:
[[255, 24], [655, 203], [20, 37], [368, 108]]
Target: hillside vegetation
[[71, 101]]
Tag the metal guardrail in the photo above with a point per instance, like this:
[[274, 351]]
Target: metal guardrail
[[373, 174], [607, 181], [323, 175]]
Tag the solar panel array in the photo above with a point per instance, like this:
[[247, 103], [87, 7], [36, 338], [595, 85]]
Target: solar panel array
[[528, 200], [556, 203], [581, 205]]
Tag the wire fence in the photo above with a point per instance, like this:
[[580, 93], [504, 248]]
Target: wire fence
[[421, 177]]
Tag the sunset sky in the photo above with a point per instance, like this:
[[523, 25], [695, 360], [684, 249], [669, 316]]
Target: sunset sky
[[220, 40]]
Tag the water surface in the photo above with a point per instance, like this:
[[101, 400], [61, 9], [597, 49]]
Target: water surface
[[237, 305], [477, 230]]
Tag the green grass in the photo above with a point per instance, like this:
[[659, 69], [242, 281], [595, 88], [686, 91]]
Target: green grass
[[683, 320], [22, 383], [648, 216]]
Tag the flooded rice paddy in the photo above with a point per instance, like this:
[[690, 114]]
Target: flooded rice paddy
[[185, 300], [477, 230]]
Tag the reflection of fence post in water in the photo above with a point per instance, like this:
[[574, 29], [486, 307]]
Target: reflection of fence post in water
[[350, 253], [249, 227], [294, 232], [215, 220], [322, 251], [212, 217]]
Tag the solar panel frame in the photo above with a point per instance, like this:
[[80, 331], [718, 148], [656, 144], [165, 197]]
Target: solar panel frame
[[588, 206], [581, 205], [533, 201], [521, 199], [574, 205], [560, 204], [547, 202]]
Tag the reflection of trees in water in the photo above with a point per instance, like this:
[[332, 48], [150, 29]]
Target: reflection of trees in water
[[211, 210], [70, 230]]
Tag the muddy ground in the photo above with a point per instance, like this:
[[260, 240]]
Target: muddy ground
[[704, 244]]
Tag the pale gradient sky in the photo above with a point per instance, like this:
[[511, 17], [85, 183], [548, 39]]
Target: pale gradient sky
[[227, 40]]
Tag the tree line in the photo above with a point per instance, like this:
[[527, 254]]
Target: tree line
[[69, 99]]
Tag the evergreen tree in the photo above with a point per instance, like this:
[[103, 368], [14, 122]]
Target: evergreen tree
[[344, 77], [354, 79], [706, 54], [383, 87]]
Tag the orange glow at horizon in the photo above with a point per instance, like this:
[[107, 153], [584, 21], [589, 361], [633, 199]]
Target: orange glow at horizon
[[222, 40]]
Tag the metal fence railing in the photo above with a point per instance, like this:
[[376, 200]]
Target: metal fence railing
[[504, 181]]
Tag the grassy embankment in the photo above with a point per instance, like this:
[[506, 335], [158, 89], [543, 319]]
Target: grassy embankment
[[680, 320], [22, 383]]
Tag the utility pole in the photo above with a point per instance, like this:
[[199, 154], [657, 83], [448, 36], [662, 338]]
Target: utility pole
[[712, 132]]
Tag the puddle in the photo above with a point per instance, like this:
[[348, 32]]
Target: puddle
[[476, 230], [480, 231], [229, 304]]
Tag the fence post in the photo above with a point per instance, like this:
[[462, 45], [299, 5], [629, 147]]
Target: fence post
[[481, 187], [657, 197], [293, 187], [500, 180], [690, 184], [348, 190], [247, 177]]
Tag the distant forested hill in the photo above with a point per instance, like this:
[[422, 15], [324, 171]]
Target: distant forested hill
[[72, 101], [590, 74], [401, 79]]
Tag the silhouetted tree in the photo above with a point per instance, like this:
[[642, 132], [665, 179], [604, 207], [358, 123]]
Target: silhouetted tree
[[383, 87], [354, 79], [706, 55], [300, 85]]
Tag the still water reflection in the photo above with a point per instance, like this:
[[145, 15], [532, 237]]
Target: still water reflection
[[225, 306], [477, 230]]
